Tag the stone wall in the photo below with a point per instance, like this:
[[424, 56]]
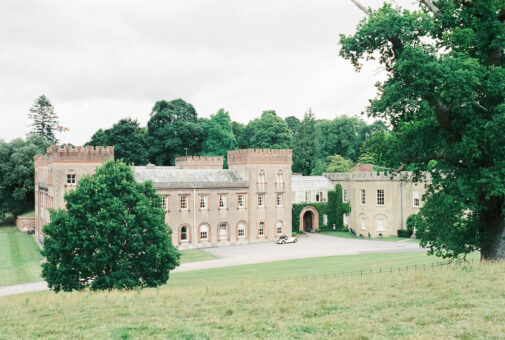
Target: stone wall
[[25, 224]]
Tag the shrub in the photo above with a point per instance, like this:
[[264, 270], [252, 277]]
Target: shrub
[[318, 230], [111, 236], [404, 233]]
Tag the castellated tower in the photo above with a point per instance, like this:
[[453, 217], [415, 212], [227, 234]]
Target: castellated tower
[[268, 172], [58, 171]]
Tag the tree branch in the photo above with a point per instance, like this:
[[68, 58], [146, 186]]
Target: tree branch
[[430, 5], [361, 7]]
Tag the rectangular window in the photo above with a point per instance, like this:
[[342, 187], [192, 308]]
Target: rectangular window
[[346, 219], [71, 179], [363, 197], [184, 202], [380, 197], [279, 200], [363, 223], [380, 224], [164, 202], [415, 195], [241, 200], [204, 201], [261, 200], [222, 201], [344, 196]]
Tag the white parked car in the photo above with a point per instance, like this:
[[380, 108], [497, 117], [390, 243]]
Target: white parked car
[[285, 239]]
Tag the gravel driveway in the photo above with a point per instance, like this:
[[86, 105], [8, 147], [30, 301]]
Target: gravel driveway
[[311, 245]]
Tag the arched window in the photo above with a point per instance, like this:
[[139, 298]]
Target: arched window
[[184, 234], [261, 229], [223, 231], [280, 177], [279, 228], [241, 230], [381, 225], [261, 177], [204, 232]]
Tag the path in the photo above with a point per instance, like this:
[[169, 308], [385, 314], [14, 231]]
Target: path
[[313, 245]]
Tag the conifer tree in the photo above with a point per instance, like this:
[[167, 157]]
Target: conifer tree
[[45, 119]]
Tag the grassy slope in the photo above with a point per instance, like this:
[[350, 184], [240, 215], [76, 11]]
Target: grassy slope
[[345, 234], [19, 257], [195, 255], [236, 303]]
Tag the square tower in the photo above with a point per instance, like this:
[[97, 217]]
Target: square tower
[[268, 172]]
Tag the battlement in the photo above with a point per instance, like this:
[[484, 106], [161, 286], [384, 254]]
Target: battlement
[[260, 156], [200, 162], [77, 154]]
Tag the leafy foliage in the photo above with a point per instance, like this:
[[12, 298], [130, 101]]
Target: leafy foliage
[[128, 139], [444, 97], [305, 147], [268, 132], [120, 243], [218, 135], [338, 163], [293, 124], [335, 208], [16, 173], [173, 129], [44, 119]]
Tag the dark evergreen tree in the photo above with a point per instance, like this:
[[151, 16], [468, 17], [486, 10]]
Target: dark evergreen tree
[[305, 149], [44, 119]]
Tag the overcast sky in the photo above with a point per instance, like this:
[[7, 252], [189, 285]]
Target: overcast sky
[[99, 61]]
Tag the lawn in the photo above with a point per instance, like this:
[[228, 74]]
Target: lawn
[[345, 234], [19, 257], [195, 255], [242, 302]]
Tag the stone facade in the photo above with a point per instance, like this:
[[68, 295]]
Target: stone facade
[[58, 171], [25, 224], [380, 204], [205, 204]]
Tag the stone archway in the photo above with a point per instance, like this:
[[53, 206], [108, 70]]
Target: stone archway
[[309, 219]]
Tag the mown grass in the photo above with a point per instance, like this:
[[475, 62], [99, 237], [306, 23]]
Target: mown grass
[[196, 255], [19, 257], [29, 213], [345, 234], [450, 302]]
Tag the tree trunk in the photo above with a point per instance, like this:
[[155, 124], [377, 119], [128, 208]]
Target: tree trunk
[[493, 229]]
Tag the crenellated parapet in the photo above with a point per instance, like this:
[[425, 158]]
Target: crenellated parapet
[[77, 154], [260, 156], [200, 162]]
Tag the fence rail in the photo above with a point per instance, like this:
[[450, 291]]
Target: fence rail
[[379, 270]]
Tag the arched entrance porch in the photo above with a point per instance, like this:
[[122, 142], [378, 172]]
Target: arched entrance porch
[[309, 219]]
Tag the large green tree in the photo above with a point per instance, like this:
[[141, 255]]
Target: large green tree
[[218, 135], [173, 130], [305, 147], [445, 98], [16, 173], [293, 124], [112, 235], [128, 139], [267, 132], [44, 119]]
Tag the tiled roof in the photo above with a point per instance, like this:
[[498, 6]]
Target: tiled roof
[[176, 177], [310, 183]]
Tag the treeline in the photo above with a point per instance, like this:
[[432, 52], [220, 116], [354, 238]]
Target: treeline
[[174, 129]]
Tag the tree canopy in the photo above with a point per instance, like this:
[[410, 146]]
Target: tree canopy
[[128, 139], [112, 235], [218, 135], [305, 148], [16, 173], [267, 132], [172, 131], [444, 97]]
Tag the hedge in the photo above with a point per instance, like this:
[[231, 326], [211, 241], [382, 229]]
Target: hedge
[[334, 208]]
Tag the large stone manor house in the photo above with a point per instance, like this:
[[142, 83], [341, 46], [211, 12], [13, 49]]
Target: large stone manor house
[[205, 204], [251, 201]]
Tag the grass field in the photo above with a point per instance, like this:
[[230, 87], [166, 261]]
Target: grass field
[[19, 257], [195, 255], [345, 234], [242, 302]]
